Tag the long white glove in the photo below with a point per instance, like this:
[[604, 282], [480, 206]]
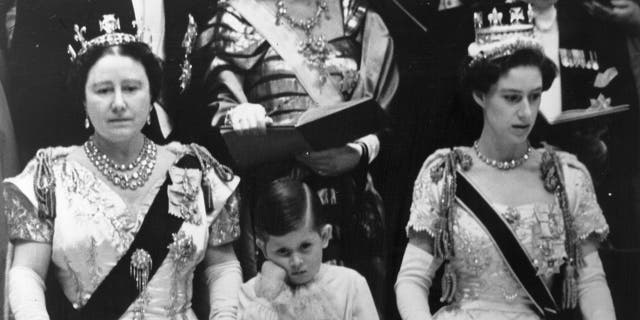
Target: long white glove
[[224, 281], [413, 283], [593, 291], [26, 294]]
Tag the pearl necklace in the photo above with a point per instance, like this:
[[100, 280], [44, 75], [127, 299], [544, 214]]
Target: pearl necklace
[[142, 166], [503, 165]]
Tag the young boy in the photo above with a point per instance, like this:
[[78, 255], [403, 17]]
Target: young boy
[[293, 282]]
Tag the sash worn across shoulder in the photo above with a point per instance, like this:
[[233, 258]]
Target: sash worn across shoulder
[[509, 247], [118, 289], [285, 40]]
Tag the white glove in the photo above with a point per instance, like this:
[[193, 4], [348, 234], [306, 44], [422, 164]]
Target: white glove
[[26, 294], [224, 280], [413, 283], [593, 291]]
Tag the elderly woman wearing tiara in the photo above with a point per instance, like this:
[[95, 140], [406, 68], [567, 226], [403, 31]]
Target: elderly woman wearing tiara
[[502, 218], [121, 222]]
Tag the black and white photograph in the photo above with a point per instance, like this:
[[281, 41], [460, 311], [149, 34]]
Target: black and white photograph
[[319, 159]]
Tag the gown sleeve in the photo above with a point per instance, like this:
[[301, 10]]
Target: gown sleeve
[[426, 194], [588, 217], [21, 208]]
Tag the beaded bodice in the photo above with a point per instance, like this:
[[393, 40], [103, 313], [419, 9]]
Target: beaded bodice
[[480, 269]]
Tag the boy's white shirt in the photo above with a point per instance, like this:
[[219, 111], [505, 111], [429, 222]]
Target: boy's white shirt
[[338, 290]]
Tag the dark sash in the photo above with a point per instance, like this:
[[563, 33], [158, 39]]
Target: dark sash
[[514, 254], [118, 290]]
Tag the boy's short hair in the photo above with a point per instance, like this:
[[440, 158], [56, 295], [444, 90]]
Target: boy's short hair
[[282, 208]]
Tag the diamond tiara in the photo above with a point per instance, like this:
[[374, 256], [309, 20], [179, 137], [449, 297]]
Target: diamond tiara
[[109, 25], [502, 31]]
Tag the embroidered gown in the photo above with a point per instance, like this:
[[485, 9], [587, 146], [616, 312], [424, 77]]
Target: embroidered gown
[[243, 67], [94, 228], [486, 288]]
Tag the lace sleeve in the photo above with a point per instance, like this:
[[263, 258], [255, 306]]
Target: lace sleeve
[[22, 217], [424, 207], [587, 214]]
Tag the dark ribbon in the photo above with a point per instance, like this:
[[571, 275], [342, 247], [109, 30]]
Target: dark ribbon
[[514, 254], [118, 290]]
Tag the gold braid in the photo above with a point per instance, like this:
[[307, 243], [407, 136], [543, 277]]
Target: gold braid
[[554, 182]]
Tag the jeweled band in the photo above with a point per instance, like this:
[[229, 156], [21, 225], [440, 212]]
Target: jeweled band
[[505, 29], [503, 165]]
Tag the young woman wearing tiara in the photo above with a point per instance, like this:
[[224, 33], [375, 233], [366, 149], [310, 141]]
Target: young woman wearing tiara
[[507, 222]]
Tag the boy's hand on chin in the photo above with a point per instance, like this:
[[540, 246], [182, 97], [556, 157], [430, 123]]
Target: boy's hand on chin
[[271, 281]]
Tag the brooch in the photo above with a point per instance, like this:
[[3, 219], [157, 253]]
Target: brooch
[[188, 42], [183, 196], [140, 268], [181, 250]]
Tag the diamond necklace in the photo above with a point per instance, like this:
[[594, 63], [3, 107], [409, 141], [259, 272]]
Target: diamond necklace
[[132, 165], [313, 48], [503, 165], [142, 166]]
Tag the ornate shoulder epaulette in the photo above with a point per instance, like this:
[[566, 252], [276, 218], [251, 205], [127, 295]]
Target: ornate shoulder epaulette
[[439, 160], [207, 163], [443, 241], [354, 12], [553, 180], [44, 184]]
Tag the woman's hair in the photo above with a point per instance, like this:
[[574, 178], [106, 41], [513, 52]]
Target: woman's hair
[[482, 74], [282, 208], [137, 51]]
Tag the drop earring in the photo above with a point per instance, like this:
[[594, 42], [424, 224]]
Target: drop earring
[[149, 119], [87, 124]]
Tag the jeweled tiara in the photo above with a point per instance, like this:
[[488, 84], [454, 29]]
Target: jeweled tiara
[[110, 25], [503, 30]]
